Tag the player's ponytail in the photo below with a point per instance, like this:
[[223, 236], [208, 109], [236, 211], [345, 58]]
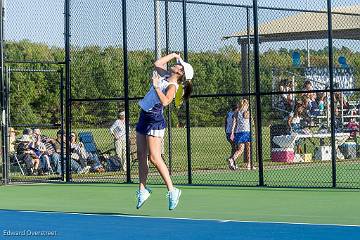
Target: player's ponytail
[[187, 85], [188, 88]]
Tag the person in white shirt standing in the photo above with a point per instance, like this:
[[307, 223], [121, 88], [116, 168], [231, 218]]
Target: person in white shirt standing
[[118, 132]]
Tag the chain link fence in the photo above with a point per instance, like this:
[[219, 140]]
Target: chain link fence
[[31, 84], [294, 56], [309, 108]]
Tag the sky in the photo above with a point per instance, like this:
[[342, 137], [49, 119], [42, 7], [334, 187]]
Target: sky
[[99, 22]]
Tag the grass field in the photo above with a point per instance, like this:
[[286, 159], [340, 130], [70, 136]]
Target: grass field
[[210, 149]]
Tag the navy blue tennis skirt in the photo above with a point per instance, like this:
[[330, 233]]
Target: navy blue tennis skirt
[[150, 121]]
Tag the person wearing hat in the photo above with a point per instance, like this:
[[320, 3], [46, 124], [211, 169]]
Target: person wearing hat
[[56, 159], [27, 155], [53, 150], [150, 128], [86, 159], [117, 130], [40, 147]]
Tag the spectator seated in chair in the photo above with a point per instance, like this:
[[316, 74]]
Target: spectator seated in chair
[[39, 146], [314, 109], [287, 99], [294, 124], [340, 100], [26, 153], [321, 103], [352, 127], [79, 154], [49, 152], [56, 159], [338, 122]]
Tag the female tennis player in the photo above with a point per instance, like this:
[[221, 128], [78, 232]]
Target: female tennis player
[[151, 126]]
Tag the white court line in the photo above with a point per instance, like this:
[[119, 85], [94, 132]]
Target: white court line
[[188, 219]]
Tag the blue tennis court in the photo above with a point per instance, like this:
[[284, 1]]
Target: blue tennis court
[[56, 225]]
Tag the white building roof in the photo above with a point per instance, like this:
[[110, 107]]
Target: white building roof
[[309, 25]]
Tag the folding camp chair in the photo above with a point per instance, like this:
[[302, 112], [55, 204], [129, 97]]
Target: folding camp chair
[[15, 161], [89, 143], [87, 139]]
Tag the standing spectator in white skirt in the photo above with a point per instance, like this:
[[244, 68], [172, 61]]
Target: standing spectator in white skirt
[[241, 135], [117, 130]]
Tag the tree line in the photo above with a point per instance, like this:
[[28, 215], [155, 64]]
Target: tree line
[[97, 72]]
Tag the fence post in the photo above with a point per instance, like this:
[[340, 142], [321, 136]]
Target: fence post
[[157, 29], [68, 94], [332, 105], [257, 91], [248, 76], [3, 96], [126, 91], [62, 119], [188, 139], [167, 46], [7, 120]]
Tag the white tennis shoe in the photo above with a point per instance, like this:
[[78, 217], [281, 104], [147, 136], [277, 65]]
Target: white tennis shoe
[[142, 196], [174, 197]]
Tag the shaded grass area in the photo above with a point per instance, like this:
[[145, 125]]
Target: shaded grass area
[[316, 174], [327, 206], [209, 147], [209, 152]]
